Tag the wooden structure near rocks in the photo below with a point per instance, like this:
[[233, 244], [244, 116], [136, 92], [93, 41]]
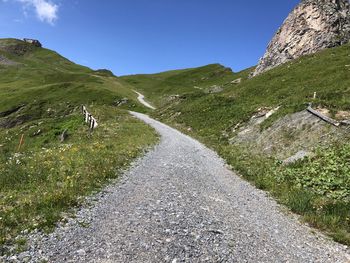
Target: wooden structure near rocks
[[326, 118]]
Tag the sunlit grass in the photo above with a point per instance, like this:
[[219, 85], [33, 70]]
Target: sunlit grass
[[43, 179]]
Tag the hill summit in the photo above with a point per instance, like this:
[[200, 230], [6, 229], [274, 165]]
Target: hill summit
[[312, 26]]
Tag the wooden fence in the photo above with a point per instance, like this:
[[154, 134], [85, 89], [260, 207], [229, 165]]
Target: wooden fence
[[88, 118]]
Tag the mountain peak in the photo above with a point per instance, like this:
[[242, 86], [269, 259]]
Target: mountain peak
[[312, 26]]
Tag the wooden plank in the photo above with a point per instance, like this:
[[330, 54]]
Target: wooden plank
[[323, 117]]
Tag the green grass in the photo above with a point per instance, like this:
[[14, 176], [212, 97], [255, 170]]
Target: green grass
[[160, 86], [318, 188], [43, 76], [46, 177], [290, 86]]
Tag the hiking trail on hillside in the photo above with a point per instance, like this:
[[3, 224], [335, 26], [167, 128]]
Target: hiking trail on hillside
[[141, 99], [179, 203]]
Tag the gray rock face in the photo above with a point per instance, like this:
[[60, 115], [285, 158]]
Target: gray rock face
[[312, 26]]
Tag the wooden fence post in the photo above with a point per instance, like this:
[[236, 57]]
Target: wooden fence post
[[20, 143], [88, 118]]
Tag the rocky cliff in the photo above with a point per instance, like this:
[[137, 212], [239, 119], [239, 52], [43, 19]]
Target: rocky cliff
[[313, 25]]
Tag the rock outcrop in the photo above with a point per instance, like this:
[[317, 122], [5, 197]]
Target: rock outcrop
[[6, 62], [312, 26]]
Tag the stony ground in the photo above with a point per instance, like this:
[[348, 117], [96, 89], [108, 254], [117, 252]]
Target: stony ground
[[181, 204]]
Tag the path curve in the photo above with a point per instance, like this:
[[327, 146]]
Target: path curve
[[141, 99], [181, 204]]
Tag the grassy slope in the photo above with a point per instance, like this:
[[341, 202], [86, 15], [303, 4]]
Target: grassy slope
[[290, 86], [319, 187], [160, 86], [45, 76], [46, 177]]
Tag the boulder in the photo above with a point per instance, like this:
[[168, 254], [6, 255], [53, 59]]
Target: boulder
[[214, 89], [296, 157]]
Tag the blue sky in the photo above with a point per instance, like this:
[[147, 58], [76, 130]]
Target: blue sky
[[147, 36]]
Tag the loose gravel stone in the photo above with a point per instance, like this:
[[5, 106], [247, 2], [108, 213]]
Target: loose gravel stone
[[180, 203]]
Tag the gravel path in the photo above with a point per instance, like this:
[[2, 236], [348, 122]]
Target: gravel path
[[181, 204], [141, 99]]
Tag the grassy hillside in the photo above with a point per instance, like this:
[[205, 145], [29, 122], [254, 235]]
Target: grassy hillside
[[160, 86], [41, 94], [45, 76], [291, 86], [318, 187]]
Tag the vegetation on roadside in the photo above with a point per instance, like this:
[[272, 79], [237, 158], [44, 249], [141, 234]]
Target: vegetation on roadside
[[318, 187], [41, 96], [47, 177]]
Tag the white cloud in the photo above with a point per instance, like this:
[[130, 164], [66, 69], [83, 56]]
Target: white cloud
[[45, 10]]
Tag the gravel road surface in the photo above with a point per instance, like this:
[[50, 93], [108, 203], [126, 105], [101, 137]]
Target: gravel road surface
[[180, 203], [141, 99]]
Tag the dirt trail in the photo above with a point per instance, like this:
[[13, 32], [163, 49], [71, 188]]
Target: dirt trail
[[141, 99]]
